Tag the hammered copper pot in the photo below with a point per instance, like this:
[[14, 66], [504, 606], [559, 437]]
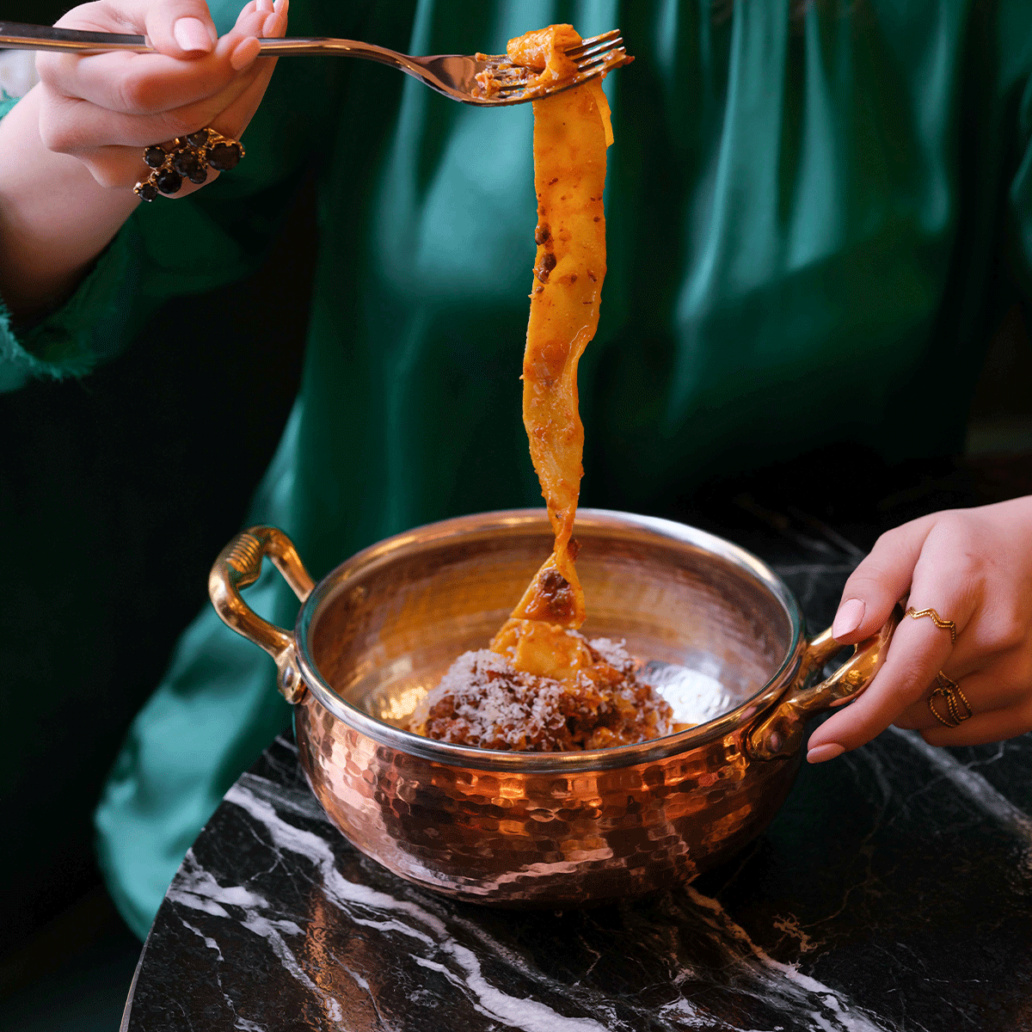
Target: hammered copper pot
[[722, 635]]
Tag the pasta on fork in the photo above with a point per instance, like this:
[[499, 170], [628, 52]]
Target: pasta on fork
[[542, 685]]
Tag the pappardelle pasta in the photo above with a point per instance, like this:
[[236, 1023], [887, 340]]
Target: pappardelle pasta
[[542, 685]]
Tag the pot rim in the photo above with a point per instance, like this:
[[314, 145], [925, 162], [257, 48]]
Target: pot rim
[[486, 524]]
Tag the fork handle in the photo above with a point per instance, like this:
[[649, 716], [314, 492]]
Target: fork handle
[[16, 36], [272, 47]]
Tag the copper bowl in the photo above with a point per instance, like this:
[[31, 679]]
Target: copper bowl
[[721, 631]]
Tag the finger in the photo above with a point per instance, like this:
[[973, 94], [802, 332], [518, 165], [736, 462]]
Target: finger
[[880, 580], [252, 24], [234, 119], [985, 727], [242, 103], [230, 122], [117, 168], [112, 147], [916, 653], [251, 20], [145, 83], [239, 113], [265, 18], [1002, 686], [72, 126], [122, 167], [176, 28], [179, 28], [140, 84], [275, 25]]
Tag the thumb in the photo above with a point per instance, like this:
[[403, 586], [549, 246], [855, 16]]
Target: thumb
[[880, 581], [180, 28]]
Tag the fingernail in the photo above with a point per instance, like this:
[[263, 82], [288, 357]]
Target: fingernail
[[848, 617], [245, 54], [281, 6], [822, 753], [192, 34]]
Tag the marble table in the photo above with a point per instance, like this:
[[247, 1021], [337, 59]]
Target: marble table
[[893, 891]]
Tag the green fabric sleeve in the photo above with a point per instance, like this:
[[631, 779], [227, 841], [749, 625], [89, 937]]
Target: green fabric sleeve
[[89, 329], [179, 248]]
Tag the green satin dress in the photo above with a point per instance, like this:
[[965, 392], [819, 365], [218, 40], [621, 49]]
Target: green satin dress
[[813, 220]]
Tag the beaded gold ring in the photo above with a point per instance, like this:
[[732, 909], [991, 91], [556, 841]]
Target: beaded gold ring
[[187, 157], [953, 697]]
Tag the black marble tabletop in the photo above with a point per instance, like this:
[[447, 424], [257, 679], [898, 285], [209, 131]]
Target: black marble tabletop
[[893, 891]]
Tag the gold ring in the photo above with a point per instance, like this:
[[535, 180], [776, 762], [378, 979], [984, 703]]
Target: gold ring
[[943, 625], [187, 157], [952, 695]]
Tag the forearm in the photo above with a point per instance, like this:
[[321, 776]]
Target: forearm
[[55, 218]]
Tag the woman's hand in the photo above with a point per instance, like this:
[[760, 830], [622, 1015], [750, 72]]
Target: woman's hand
[[104, 109], [974, 567], [71, 149]]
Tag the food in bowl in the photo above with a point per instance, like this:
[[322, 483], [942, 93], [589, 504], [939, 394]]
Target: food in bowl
[[542, 685], [487, 702]]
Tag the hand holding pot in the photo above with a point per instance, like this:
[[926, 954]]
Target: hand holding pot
[[972, 567]]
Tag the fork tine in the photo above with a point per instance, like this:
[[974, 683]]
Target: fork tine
[[607, 41], [608, 57], [592, 57], [604, 62], [587, 44]]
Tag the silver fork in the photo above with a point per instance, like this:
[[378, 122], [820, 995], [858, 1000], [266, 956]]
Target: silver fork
[[489, 80]]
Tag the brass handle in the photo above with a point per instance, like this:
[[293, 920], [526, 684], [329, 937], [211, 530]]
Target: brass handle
[[239, 565], [781, 733]]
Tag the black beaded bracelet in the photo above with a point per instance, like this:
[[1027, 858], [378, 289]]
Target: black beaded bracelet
[[187, 157]]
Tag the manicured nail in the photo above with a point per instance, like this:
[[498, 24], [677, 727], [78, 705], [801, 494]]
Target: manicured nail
[[848, 617], [822, 753], [192, 34], [245, 54], [281, 6]]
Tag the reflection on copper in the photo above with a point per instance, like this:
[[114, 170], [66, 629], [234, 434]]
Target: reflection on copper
[[328, 958]]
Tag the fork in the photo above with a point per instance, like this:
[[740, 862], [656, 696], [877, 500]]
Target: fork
[[488, 80]]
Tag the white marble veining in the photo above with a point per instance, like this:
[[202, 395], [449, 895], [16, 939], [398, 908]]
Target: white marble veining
[[692, 960]]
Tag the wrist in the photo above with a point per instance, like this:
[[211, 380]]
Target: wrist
[[55, 218]]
